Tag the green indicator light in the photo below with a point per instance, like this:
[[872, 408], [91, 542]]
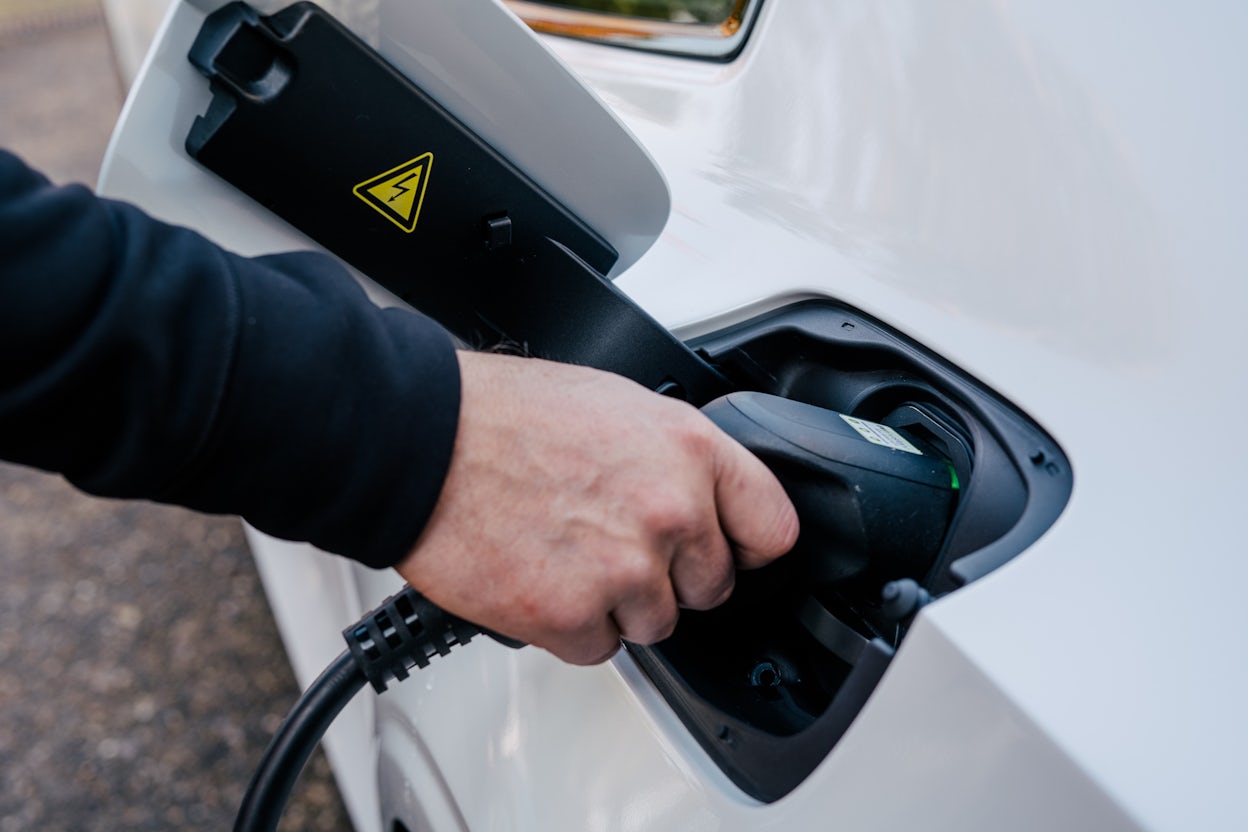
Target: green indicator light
[[953, 479]]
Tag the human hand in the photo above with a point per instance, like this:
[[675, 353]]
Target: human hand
[[581, 508]]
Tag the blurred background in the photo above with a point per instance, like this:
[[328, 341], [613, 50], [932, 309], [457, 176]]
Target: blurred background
[[141, 675]]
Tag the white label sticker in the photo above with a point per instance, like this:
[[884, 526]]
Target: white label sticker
[[881, 435]]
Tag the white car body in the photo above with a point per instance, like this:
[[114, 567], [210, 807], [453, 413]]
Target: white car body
[[1047, 195]]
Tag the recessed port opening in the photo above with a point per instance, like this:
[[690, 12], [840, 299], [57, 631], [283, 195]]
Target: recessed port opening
[[768, 682], [771, 674]]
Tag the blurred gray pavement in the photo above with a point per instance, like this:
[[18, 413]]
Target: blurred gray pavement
[[140, 671]]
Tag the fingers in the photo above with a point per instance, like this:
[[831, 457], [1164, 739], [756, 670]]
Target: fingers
[[746, 510], [648, 614], [702, 572], [646, 609], [755, 513], [587, 645], [580, 508]]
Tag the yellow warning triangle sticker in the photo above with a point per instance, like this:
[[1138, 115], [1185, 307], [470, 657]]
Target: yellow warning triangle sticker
[[398, 193]]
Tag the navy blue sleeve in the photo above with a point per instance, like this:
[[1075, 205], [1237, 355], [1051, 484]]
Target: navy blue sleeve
[[140, 360]]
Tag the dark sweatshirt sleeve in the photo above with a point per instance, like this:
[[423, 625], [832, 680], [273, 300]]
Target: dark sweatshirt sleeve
[[140, 360]]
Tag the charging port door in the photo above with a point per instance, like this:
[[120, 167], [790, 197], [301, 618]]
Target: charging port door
[[314, 125]]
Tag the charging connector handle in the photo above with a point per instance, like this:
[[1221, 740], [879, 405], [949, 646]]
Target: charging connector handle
[[406, 631]]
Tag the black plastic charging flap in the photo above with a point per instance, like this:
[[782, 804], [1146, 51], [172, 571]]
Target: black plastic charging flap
[[317, 127]]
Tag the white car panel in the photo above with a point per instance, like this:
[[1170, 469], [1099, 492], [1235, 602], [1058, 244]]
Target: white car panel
[[1048, 195]]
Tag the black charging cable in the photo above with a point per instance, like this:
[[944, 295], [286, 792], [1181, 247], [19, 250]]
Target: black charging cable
[[405, 632]]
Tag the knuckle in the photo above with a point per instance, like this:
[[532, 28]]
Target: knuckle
[[725, 592], [665, 625], [704, 574], [634, 568], [595, 653], [709, 594], [667, 512], [697, 433], [655, 627]]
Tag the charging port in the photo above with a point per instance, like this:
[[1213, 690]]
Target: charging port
[[911, 480]]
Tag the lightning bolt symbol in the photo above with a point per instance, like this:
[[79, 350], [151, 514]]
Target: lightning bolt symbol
[[396, 194], [399, 190]]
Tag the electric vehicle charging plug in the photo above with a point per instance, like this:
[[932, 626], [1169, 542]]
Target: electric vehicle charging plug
[[405, 631]]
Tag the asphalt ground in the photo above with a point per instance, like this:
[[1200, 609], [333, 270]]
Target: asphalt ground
[[141, 674]]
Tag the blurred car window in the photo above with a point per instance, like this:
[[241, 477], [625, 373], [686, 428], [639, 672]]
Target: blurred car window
[[712, 29], [680, 11]]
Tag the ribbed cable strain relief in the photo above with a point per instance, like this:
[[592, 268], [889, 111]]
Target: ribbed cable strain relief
[[405, 631]]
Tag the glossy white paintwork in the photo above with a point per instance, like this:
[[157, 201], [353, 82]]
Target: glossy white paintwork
[[1050, 195]]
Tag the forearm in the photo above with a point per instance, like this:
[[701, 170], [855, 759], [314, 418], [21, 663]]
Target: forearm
[[140, 360]]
